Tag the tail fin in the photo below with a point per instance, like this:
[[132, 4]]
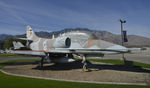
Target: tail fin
[[30, 34]]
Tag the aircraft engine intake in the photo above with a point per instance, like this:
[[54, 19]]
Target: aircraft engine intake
[[62, 42]]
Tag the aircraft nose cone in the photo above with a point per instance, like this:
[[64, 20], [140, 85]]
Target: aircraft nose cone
[[118, 47]]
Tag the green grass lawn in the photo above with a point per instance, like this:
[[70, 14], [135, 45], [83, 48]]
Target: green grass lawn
[[120, 62], [6, 55], [8, 81], [2, 64], [117, 62]]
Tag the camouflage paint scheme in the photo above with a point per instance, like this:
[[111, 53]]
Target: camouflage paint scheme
[[65, 44], [59, 43]]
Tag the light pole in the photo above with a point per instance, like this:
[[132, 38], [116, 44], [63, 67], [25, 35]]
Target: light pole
[[122, 36]]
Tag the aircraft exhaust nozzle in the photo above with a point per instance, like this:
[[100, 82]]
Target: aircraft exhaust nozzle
[[62, 42]]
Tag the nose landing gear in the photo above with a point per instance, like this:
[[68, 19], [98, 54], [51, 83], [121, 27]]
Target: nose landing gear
[[84, 68]]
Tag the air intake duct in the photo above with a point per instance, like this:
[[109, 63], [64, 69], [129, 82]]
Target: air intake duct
[[62, 42]]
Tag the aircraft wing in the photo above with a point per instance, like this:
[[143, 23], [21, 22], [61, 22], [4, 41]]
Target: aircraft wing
[[99, 51], [28, 52], [88, 51], [69, 50]]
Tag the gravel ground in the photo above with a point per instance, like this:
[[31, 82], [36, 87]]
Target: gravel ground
[[100, 72]]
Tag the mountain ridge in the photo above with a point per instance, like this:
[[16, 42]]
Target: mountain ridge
[[133, 40]]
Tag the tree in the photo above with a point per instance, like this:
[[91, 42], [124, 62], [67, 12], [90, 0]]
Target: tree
[[8, 43], [2, 45]]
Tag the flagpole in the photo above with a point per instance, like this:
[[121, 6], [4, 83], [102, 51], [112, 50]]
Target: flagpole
[[122, 37]]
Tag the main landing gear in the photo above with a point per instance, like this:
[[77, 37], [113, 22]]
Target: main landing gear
[[84, 68], [41, 62], [44, 58]]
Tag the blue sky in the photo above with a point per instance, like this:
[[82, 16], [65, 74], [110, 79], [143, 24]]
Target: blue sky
[[51, 15]]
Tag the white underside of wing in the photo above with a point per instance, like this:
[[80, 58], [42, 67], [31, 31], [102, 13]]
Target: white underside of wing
[[22, 52], [111, 50]]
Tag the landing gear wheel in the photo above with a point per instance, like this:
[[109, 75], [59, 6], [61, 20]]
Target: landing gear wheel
[[85, 69], [41, 63]]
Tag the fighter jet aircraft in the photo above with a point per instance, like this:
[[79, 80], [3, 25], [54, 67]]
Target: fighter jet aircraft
[[62, 48]]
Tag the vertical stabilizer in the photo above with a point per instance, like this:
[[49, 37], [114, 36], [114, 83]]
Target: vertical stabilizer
[[30, 34]]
